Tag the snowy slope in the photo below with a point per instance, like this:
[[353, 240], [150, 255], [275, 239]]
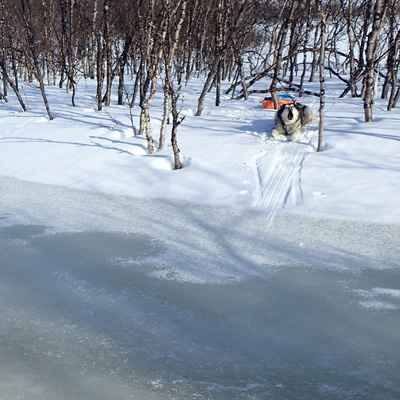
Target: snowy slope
[[227, 159]]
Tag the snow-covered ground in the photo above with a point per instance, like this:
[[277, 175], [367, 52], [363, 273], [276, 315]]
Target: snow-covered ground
[[227, 159], [261, 270]]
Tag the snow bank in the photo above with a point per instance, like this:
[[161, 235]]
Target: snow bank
[[227, 158]]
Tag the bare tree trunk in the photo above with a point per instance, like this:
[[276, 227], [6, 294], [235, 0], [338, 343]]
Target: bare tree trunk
[[145, 120], [350, 37], [165, 119], [395, 98], [219, 41], [46, 103], [292, 61], [306, 39], [108, 52], [122, 63], [135, 90], [279, 52], [218, 57], [321, 75], [30, 48], [371, 52], [99, 72], [7, 48], [393, 42], [171, 47], [151, 52], [393, 93], [315, 55], [68, 59], [13, 86], [94, 42], [3, 97], [175, 123], [240, 72]]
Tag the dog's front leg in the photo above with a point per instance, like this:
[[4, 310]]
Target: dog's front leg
[[274, 134], [295, 135]]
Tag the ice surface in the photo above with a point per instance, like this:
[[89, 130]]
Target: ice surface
[[264, 312]]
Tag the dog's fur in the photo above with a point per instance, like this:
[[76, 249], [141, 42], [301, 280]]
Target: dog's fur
[[290, 119]]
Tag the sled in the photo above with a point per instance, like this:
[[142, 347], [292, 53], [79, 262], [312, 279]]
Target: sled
[[282, 99]]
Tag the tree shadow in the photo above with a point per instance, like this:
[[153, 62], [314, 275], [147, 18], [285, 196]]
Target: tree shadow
[[96, 144]]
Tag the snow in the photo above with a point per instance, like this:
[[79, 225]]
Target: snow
[[227, 159], [260, 270]]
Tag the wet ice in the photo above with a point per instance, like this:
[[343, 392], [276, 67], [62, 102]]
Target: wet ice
[[83, 316]]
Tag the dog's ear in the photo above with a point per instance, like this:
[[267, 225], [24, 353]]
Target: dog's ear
[[298, 105]]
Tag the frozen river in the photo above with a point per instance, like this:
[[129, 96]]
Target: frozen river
[[112, 298]]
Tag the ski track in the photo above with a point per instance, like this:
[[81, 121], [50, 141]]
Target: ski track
[[278, 173]]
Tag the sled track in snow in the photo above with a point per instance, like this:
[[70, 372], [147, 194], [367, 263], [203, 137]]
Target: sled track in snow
[[278, 174]]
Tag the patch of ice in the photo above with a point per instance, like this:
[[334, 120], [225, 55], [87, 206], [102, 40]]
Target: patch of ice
[[395, 293], [378, 305]]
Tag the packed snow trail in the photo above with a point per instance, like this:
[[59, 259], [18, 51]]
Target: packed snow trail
[[277, 171], [278, 167]]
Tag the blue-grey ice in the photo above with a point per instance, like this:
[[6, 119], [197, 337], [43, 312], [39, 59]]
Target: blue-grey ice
[[104, 297]]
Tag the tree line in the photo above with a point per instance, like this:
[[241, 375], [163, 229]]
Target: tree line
[[288, 42]]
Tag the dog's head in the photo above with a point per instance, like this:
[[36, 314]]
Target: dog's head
[[289, 113]]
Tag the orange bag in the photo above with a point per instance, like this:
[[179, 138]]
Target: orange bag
[[282, 99]]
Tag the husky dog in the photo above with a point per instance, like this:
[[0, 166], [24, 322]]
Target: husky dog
[[290, 119]]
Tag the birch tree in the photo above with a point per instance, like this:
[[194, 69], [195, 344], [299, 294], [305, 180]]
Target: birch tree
[[6, 47], [26, 17], [175, 18], [220, 52], [347, 7], [67, 46], [107, 50], [306, 39], [370, 56], [321, 74], [152, 36], [393, 40], [279, 51]]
